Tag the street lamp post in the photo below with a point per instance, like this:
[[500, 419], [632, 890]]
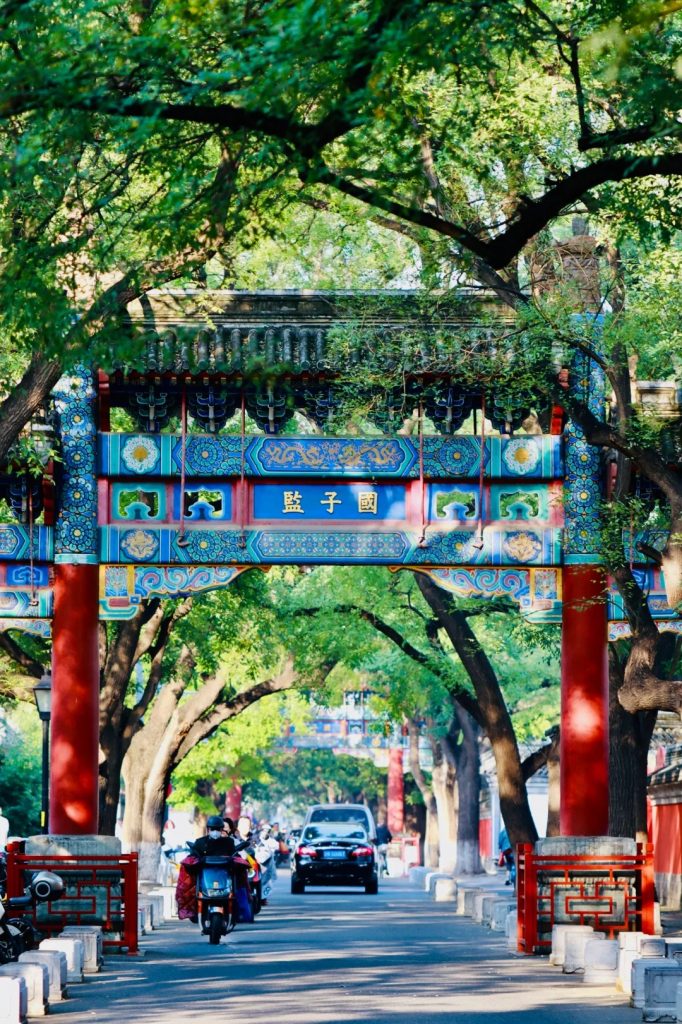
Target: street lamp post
[[42, 694]]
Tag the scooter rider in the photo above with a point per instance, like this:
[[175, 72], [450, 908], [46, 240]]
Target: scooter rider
[[216, 842]]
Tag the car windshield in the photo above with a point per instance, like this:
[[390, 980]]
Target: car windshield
[[334, 830], [329, 814]]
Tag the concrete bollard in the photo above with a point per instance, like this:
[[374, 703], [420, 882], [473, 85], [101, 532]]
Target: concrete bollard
[[638, 970], [416, 876], [477, 915], [145, 906], [93, 944], [434, 878], [470, 901], [167, 894], [500, 909], [601, 961], [628, 952], [652, 945], [673, 948], [445, 890], [73, 948], [660, 992], [678, 1002], [559, 932], [158, 909], [487, 904], [13, 1000], [574, 950], [54, 962], [37, 985], [511, 931]]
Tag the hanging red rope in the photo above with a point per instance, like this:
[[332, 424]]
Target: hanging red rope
[[183, 540], [34, 597], [478, 540], [421, 541]]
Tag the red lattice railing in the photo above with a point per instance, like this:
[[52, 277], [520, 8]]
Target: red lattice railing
[[610, 893], [99, 890]]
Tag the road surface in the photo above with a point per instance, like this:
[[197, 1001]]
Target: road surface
[[334, 957]]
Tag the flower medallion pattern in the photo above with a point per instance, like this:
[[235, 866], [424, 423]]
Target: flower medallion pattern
[[141, 454], [521, 456], [583, 480]]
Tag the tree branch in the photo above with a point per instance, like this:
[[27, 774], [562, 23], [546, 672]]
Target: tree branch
[[222, 712], [17, 654]]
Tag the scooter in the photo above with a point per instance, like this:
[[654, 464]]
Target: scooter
[[216, 899], [19, 934]]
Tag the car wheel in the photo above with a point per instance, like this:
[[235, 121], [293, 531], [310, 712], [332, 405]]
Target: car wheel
[[372, 887], [297, 886]]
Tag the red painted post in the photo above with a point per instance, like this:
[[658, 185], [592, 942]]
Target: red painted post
[[396, 792], [130, 903], [647, 889], [584, 704], [233, 801], [74, 759]]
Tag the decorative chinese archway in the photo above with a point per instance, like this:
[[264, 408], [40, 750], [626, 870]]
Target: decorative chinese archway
[[150, 513]]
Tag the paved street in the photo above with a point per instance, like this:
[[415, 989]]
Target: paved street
[[340, 958]]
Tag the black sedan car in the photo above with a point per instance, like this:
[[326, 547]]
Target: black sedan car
[[334, 853]]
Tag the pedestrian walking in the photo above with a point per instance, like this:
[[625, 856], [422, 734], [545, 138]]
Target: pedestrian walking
[[4, 830]]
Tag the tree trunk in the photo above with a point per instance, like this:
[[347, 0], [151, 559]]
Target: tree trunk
[[554, 790], [173, 728], [153, 815], [431, 833], [134, 776], [629, 738], [469, 796], [444, 792], [110, 769], [24, 399], [430, 837], [494, 713]]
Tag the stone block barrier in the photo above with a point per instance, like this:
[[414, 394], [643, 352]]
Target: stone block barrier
[[13, 1000], [639, 968], [660, 992], [501, 908], [75, 952], [417, 876], [601, 961], [37, 982], [574, 957], [445, 890], [93, 946], [52, 960]]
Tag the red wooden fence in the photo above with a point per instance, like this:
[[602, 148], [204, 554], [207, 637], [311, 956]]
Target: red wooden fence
[[99, 890], [610, 893]]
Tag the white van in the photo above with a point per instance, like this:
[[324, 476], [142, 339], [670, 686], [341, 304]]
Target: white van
[[343, 812]]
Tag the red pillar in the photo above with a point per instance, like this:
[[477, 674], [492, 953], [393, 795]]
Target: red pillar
[[396, 792], [584, 704], [233, 802], [74, 759]]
